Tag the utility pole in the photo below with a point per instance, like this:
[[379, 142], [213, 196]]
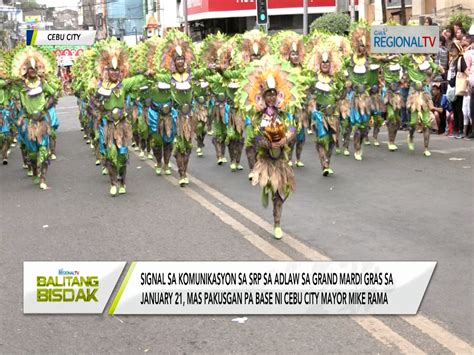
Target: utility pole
[[352, 10], [104, 20], [185, 15], [305, 17], [403, 13], [384, 11]]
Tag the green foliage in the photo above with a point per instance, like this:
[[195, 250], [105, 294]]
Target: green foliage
[[182, 145], [332, 23], [466, 20]]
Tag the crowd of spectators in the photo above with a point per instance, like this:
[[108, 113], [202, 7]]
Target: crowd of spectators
[[453, 114]]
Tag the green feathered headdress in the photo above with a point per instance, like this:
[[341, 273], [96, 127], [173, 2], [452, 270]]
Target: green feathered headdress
[[137, 57], [112, 53], [265, 74], [175, 43], [25, 57], [360, 33], [5, 60], [84, 76], [285, 42], [210, 49], [254, 42]]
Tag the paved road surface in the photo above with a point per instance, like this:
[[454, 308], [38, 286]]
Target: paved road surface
[[391, 206]]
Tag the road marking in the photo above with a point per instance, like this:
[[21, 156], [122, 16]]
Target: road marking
[[385, 334], [301, 248], [442, 336], [454, 150], [373, 326], [449, 340], [250, 236]]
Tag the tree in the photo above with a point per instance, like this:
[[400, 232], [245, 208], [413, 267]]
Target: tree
[[466, 20], [332, 23]]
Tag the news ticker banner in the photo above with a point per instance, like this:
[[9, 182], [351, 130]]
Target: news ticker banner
[[404, 39], [59, 38], [226, 287], [69, 287]]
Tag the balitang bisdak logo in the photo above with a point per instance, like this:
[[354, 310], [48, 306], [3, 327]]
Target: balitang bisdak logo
[[69, 287], [404, 39]]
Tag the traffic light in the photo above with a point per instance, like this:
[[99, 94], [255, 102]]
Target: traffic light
[[262, 12]]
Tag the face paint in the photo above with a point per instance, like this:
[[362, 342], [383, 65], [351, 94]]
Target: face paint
[[270, 98]]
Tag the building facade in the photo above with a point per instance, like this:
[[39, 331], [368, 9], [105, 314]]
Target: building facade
[[417, 10], [234, 16]]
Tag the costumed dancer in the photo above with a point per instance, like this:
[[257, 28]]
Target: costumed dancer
[[218, 105], [269, 92], [140, 99], [176, 58], [345, 51], [311, 40], [32, 70], [77, 86], [362, 75], [115, 130], [419, 68], [159, 114], [290, 46], [377, 110], [84, 86], [392, 72], [5, 108], [140, 131], [201, 98], [234, 119], [253, 46], [326, 64], [51, 115]]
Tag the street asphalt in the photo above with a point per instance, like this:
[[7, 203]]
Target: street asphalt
[[390, 206]]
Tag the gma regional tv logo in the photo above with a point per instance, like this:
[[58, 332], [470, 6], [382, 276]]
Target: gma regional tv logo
[[404, 39], [67, 286]]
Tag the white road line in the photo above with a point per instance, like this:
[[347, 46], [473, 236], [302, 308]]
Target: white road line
[[448, 340], [287, 239], [442, 336], [373, 326], [453, 150], [250, 236], [385, 334]]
